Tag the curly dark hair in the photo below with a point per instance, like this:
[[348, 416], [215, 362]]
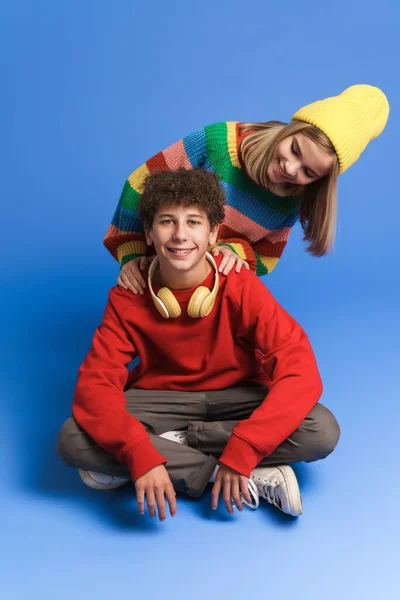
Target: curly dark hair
[[184, 188]]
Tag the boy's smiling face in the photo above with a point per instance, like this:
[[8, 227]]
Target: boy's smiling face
[[181, 236]]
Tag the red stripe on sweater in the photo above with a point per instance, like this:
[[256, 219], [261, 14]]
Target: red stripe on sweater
[[157, 163], [266, 248]]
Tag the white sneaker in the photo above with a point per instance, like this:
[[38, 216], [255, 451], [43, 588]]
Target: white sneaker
[[175, 436], [100, 481], [278, 485]]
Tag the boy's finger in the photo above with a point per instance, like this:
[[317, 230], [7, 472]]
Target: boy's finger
[[151, 503], [244, 488], [140, 501], [215, 493], [161, 506], [236, 494], [227, 497], [171, 497]]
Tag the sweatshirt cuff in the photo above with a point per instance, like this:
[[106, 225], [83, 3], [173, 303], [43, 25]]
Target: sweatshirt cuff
[[143, 457], [240, 455]]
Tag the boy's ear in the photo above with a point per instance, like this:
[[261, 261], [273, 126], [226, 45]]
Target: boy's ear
[[214, 235], [147, 233]]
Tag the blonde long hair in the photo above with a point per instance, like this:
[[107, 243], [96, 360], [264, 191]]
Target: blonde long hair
[[318, 206]]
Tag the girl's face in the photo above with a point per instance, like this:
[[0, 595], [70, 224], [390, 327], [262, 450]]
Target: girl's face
[[298, 160]]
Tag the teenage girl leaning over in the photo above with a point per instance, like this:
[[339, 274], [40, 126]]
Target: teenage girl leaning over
[[273, 174]]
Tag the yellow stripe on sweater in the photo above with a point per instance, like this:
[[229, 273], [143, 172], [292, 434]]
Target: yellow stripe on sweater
[[136, 179], [231, 139], [269, 262], [134, 247], [238, 248]]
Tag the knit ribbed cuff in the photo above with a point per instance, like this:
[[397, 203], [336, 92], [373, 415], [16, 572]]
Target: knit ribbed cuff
[[240, 455], [134, 247], [143, 457]]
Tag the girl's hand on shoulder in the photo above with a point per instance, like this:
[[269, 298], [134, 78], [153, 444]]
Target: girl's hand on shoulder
[[130, 277], [229, 260]]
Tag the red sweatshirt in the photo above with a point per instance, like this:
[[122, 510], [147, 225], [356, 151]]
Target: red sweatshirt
[[187, 354]]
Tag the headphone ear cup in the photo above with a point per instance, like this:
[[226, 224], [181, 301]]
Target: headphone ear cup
[[160, 307], [170, 302], [207, 306], [196, 302]]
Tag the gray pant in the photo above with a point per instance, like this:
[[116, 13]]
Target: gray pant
[[210, 418]]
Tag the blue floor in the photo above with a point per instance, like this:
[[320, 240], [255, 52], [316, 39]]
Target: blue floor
[[89, 91]]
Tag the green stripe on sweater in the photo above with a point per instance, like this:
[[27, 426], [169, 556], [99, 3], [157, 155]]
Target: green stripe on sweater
[[129, 257], [260, 269], [129, 198]]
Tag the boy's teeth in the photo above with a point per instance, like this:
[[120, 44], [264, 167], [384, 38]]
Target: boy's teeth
[[180, 251]]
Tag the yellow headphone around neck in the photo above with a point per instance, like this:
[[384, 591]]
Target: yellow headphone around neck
[[200, 304]]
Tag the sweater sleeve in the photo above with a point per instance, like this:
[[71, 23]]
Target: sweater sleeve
[[243, 249], [260, 264], [125, 236], [99, 404], [288, 365]]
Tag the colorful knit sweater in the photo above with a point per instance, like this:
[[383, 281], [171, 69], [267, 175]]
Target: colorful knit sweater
[[257, 223]]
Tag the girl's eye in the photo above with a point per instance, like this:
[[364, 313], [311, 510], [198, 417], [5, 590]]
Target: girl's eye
[[294, 149], [308, 174]]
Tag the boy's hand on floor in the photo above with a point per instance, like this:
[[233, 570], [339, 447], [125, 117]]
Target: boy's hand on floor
[[156, 486], [232, 485]]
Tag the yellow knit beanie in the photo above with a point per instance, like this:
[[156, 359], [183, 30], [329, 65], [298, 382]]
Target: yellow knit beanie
[[350, 120]]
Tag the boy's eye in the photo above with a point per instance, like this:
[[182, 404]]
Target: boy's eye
[[166, 221], [194, 222]]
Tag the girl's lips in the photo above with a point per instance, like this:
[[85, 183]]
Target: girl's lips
[[278, 172], [280, 175]]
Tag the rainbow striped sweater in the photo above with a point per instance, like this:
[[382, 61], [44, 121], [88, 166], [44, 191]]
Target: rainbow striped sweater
[[257, 223]]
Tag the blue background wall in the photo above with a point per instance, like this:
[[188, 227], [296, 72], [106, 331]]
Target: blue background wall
[[89, 90]]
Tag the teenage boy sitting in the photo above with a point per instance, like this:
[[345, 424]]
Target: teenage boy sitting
[[227, 386]]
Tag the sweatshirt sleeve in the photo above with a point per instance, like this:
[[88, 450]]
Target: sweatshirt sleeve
[[288, 365], [125, 236], [99, 404]]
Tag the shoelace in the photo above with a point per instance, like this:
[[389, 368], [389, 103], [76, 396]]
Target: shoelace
[[254, 494], [269, 491]]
